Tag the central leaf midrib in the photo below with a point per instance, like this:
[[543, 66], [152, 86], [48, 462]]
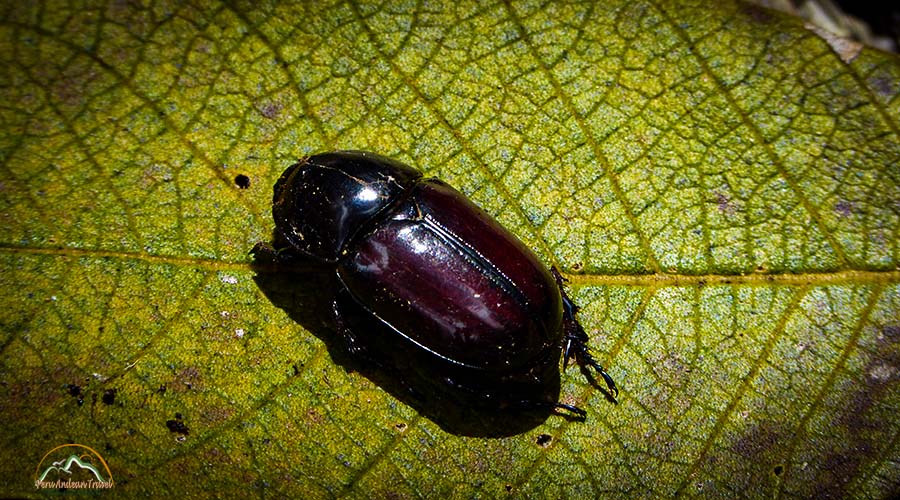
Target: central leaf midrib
[[655, 280]]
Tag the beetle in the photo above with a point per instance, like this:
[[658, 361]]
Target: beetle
[[427, 273]]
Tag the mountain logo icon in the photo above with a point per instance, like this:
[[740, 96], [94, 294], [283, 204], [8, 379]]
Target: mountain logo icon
[[72, 466]]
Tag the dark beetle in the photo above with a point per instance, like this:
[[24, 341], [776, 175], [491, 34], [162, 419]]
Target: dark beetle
[[432, 275]]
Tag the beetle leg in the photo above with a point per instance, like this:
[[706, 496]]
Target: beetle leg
[[344, 330], [579, 413], [570, 308], [567, 353], [263, 252], [266, 254], [577, 339], [586, 358], [576, 412]]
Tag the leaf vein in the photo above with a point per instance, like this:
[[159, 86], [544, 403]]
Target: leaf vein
[[759, 138], [586, 130]]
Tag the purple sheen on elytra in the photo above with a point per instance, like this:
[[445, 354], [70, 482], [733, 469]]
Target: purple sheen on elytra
[[449, 278]]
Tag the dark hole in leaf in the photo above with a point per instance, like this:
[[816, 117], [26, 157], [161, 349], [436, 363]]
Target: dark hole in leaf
[[75, 391], [544, 439], [508, 487], [177, 425], [401, 426], [778, 470], [109, 396], [242, 181]]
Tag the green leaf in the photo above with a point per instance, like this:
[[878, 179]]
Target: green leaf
[[722, 188]]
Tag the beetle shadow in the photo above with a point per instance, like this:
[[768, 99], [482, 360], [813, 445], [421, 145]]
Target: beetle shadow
[[306, 293]]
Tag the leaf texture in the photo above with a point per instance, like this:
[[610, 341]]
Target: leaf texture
[[722, 189]]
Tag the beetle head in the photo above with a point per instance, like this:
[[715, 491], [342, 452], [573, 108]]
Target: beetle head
[[321, 202]]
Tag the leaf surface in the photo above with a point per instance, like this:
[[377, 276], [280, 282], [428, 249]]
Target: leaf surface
[[722, 188]]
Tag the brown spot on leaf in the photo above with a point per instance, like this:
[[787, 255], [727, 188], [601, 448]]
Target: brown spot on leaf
[[861, 425], [891, 332], [844, 208], [216, 414], [109, 396], [313, 416], [758, 448], [884, 86], [271, 110], [759, 441], [70, 90], [836, 471], [724, 203], [203, 47], [188, 378]]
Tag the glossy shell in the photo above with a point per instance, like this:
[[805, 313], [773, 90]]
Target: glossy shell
[[422, 258], [429, 282], [322, 202], [447, 276]]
